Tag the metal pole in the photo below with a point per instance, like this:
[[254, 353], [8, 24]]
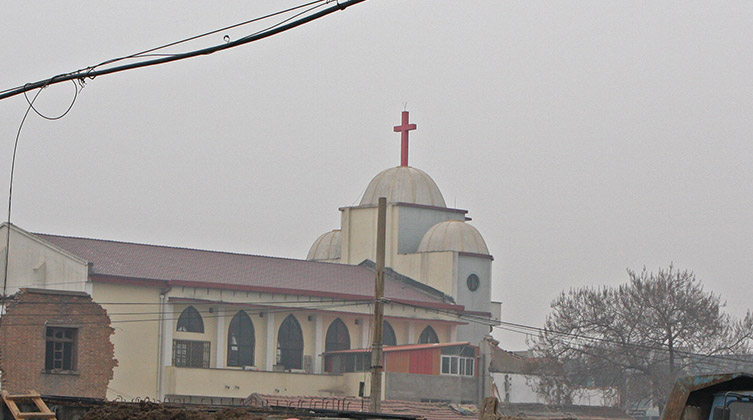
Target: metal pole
[[375, 394]]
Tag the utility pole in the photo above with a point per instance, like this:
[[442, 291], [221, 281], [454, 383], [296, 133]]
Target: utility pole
[[375, 394]]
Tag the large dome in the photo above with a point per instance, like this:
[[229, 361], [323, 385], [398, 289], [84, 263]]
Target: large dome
[[326, 247], [403, 184], [453, 235]]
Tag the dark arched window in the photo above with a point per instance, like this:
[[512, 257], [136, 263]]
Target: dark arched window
[[338, 337], [290, 344], [389, 338], [240, 341], [190, 321], [428, 336]]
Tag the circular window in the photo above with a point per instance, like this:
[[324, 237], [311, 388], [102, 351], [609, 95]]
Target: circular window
[[472, 282]]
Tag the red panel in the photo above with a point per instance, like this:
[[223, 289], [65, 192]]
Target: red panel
[[422, 361]]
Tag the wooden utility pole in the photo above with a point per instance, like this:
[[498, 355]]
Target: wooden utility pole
[[375, 393]]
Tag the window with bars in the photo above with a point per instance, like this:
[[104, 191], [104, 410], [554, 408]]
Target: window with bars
[[61, 346], [188, 353], [457, 365]]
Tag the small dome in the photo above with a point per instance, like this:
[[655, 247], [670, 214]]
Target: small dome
[[326, 247], [453, 235], [403, 184]]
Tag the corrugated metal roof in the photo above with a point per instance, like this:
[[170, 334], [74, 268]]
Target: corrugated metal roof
[[225, 269]]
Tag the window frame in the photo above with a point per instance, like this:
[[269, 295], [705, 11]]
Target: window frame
[[191, 351], [461, 365], [239, 316], [337, 337], [290, 353], [427, 331], [187, 316], [50, 342]]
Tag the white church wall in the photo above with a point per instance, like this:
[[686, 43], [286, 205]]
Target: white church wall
[[435, 269], [358, 225], [415, 221], [135, 339], [37, 264], [478, 300]]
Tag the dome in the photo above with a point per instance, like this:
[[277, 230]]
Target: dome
[[453, 235], [403, 184], [326, 247]]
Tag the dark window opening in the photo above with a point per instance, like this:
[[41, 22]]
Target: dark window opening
[[61, 346], [351, 362], [338, 337], [241, 341], [389, 338], [193, 354], [473, 282], [428, 336], [190, 321], [290, 344]]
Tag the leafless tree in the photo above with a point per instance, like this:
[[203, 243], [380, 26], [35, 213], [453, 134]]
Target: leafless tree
[[637, 338]]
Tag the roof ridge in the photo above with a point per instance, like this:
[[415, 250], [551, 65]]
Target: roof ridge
[[186, 248]]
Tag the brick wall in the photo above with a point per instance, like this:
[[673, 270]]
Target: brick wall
[[23, 346]]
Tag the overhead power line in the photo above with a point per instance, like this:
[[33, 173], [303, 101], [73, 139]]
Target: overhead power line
[[92, 72]]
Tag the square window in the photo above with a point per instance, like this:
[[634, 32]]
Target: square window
[[61, 345], [187, 353]]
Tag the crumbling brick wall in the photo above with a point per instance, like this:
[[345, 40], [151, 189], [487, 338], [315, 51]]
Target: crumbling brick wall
[[25, 351]]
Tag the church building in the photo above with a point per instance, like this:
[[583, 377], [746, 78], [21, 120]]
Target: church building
[[194, 324]]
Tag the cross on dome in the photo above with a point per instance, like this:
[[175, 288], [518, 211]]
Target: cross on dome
[[403, 129]]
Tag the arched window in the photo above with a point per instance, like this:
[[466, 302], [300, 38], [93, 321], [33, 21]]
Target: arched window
[[428, 336], [240, 341], [338, 337], [290, 344], [389, 338], [190, 321]]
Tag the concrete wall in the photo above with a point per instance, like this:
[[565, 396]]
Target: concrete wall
[[240, 384], [412, 387], [35, 263]]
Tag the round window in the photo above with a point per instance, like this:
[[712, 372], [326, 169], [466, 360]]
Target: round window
[[472, 282]]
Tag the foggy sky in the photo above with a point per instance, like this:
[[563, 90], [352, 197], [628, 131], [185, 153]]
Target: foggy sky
[[584, 138]]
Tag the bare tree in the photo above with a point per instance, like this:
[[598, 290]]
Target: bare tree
[[636, 338]]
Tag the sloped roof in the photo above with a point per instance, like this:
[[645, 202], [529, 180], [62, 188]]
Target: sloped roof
[[193, 267]]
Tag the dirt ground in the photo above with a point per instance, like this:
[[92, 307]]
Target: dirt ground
[[151, 411]]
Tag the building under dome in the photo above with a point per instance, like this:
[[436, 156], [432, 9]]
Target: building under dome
[[453, 235], [326, 248], [426, 241], [192, 325], [403, 184]]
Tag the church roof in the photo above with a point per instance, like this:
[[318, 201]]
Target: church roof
[[403, 184], [453, 235], [327, 247], [136, 263]]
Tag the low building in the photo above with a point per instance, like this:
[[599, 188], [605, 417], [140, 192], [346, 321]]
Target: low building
[[56, 343]]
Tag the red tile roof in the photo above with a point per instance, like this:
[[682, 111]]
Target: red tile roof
[[407, 347], [427, 410], [133, 262]]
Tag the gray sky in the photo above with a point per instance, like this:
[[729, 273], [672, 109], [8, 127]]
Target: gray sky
[[584, 138]]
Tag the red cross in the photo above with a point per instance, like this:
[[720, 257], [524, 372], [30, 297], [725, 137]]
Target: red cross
[[403, 130]]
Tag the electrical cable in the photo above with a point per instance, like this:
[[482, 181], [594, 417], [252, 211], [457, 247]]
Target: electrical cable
[[92, 73], [10, 201], [75, 95]]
